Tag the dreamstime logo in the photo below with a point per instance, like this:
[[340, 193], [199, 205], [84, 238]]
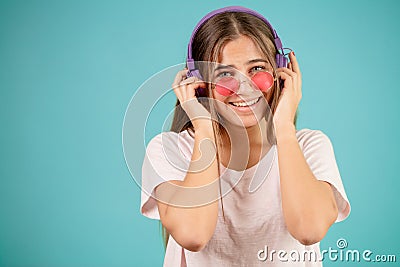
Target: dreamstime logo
[[341, 243], [354, 255], [150, 112], [340, 254]]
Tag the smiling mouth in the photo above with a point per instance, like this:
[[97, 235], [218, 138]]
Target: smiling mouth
[[245, 103]]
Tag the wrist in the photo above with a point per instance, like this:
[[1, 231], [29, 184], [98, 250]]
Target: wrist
[[203, 126], [285, 130]]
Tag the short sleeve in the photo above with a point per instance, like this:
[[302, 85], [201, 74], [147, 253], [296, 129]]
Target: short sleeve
[[319, 154], [167, 158]]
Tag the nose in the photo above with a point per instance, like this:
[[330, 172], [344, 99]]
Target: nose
[[245, 86]]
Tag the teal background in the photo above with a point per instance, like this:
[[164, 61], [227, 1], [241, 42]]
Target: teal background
[[69, 68]]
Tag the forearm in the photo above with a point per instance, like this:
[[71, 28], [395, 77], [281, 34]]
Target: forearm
[[192, 210], [308, 204]]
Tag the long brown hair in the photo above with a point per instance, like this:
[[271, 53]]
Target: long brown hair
[[207, 46]]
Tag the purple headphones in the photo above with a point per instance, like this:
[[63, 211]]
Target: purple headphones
[[281, 59]]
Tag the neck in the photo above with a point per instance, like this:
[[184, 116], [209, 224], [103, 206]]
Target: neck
[[253, 136], [244, 147]]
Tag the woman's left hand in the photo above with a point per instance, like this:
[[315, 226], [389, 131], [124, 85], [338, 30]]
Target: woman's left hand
[[290, 93]]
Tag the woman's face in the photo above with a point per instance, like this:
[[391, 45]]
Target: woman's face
[[248, 105]]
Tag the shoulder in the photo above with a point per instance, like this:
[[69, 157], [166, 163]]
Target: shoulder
[[309, 133], [312, 137], [171, 141], [170, 136], [306, 135]]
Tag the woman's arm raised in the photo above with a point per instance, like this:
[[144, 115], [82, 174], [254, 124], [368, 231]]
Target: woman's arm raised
[[189, 209], [308, 204]]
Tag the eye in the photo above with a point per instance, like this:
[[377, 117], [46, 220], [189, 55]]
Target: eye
[[224, 74], [257, 68]]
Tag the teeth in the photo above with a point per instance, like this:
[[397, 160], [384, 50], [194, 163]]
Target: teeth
[[244, 104]]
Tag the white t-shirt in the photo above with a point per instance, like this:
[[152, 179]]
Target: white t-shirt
[[254, 229]]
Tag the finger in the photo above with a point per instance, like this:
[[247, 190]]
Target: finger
[[188, 81], [295, 63], [295, 68], [181, 75], [287, 71], [284, 75], [188, 87], [194, 83], [296, 75], [178, 93], [287, 79], [191, 88], [199, 83], [293, 76], [290, 66], [184, 92]]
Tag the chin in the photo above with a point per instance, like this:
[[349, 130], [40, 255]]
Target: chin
[[245, 121]]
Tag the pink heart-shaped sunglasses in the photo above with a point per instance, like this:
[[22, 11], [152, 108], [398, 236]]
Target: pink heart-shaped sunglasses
[[229, 85]]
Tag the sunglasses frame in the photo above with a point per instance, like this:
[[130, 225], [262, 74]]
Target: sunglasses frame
[[231, 92]]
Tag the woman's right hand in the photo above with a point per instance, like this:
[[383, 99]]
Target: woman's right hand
[[185, 91]]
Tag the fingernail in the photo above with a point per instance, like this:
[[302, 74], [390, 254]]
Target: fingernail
[[293, 53]]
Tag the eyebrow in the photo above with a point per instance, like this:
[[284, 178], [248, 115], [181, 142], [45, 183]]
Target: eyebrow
[[247, 63], [256, 60]]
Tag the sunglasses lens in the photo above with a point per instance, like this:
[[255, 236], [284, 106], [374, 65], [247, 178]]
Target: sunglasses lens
[[263, 80], [227, 86]]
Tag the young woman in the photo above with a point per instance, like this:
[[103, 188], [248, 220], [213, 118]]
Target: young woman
[[234, 183]]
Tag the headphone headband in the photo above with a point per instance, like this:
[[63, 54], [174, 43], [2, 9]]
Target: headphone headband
[[280, 58]]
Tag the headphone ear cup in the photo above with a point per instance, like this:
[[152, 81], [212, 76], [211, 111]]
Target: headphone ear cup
[[194, 73], [281, 60]]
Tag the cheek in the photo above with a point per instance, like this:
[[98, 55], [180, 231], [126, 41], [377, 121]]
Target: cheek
[[218, 97], [220, 105]]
